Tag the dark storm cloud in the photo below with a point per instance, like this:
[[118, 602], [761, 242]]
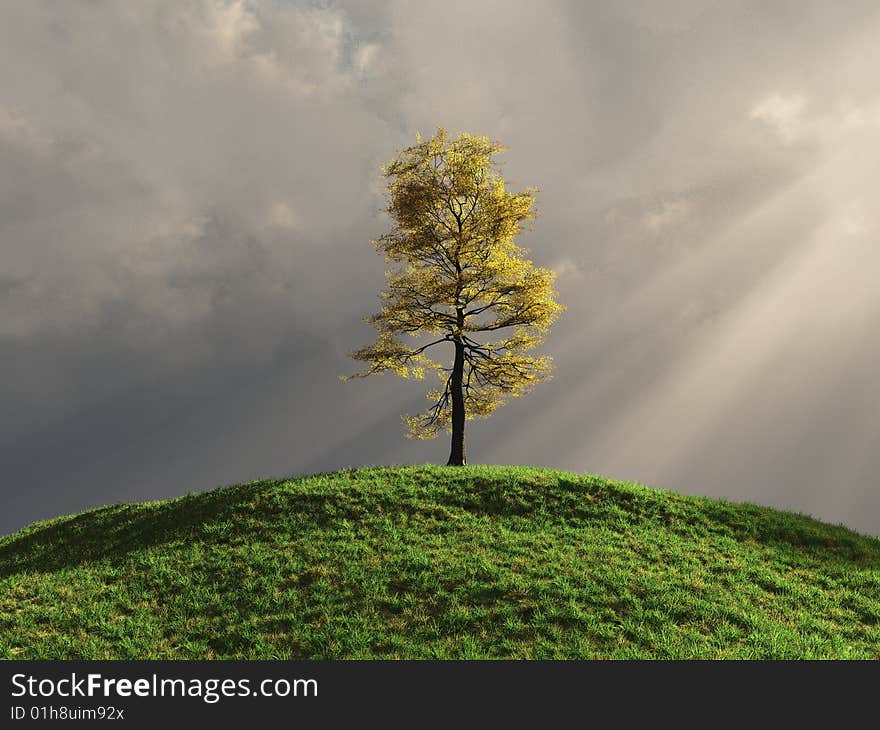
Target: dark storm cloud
[[188, 191]]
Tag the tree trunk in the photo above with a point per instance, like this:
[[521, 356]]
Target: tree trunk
[[456, 455]]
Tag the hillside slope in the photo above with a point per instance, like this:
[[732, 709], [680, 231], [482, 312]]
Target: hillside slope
[[422, 562]]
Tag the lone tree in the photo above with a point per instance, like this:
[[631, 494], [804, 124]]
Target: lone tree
[[456, 274]]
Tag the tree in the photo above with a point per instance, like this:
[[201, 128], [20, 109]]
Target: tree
[[455, 277]]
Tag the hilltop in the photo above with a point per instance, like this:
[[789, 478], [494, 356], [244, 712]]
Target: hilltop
[[438, 562]]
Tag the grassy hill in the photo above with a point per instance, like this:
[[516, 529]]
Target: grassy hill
[[423, 562]]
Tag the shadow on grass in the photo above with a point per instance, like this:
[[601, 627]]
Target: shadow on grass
[[117, 530], [794, 531], [637, 509]]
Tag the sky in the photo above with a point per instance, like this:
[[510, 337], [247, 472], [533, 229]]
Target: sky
[[189, 188]]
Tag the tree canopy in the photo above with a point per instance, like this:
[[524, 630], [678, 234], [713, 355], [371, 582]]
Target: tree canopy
[[457, 276]]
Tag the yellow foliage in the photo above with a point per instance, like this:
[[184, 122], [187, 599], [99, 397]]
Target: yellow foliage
[[457, 276]]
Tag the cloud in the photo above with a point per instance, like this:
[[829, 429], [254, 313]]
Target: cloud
[[784, 114], [216, 119], [669, 213], [788, 117], [188, 191]]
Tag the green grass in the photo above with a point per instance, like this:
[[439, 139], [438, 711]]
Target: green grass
[[439, 562]]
